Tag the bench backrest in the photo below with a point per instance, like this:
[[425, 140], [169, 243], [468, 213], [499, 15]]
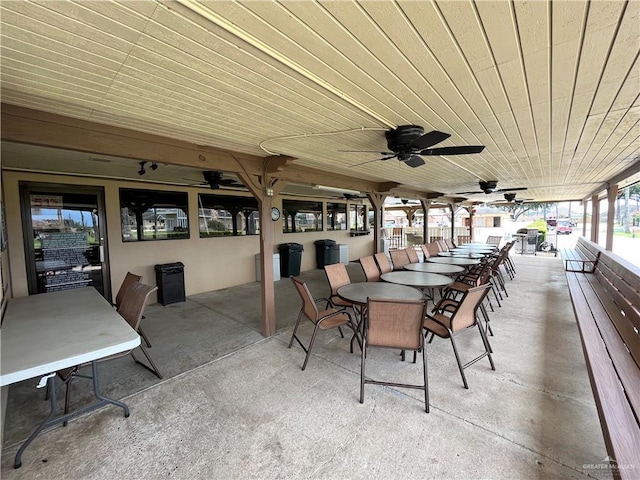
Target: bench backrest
[[588, 249], [610, 331], [621, 281]]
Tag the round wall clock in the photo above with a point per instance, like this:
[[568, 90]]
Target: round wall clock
[[275, 214]]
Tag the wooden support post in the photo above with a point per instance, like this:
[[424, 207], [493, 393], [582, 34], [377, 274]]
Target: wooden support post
[[426, 204], [595, 218], [377, 201], [612, 194]]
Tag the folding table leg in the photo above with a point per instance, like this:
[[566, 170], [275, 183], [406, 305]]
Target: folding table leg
[[50, 421]]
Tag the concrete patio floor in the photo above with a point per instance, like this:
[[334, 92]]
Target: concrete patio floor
[[236, 405]]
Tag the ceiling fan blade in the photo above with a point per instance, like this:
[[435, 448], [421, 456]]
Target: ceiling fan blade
[[415, 161], [364, 163], [467, 193], [428, 139], [389, 157], [509, 189], [453, 150], [366, 151]]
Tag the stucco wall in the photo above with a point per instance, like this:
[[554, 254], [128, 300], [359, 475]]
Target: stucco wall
[[210, 263]]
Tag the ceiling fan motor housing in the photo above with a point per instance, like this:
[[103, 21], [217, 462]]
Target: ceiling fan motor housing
[[488, 186], [399, 139], [213, 178]]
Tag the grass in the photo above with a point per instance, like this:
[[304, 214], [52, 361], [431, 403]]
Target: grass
[[627, 235]]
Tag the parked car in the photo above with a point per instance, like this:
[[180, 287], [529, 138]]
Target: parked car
[[564, 226]]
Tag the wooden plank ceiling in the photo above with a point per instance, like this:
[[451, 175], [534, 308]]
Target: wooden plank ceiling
[[550, 88]]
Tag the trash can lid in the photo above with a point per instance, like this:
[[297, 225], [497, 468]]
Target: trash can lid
[[326, 241], [290, 246], [164, 267]]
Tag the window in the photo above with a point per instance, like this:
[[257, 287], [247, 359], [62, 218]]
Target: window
[[357, 217], [336, 216], [153, 215], [301, 216], [226, 215]]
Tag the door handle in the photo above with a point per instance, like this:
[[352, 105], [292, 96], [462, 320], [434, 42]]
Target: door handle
[[101, 251]]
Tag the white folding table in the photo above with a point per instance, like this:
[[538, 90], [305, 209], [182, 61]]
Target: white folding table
[[44, 333]]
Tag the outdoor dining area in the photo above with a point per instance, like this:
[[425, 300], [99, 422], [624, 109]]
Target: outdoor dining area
[[233, 404]]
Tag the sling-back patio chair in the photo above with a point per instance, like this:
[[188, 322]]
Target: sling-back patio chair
[[395, 324], [442, 246], [433, 249], [400, 258], [370, 268], [449, 318], [337, 276], [384, 264], [129, 279], [321, 319], [412, 254]]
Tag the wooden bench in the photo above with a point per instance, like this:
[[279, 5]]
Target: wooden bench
[[606, 303], [582, 258]]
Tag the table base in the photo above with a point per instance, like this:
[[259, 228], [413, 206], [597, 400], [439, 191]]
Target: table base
[[50, 421]]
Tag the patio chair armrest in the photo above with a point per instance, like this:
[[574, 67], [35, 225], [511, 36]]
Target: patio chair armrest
[[320, 300], [446, 305]]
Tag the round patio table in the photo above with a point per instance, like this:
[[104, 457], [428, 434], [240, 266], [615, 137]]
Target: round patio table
[[425, 281], [417, 279], [474, 249], [457, 253], [463, 262], [360, 291], [435, 268], [478, 245]]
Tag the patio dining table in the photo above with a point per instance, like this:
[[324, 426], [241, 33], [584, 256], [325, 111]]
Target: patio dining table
[[422, 280], [463, 254], [434, 268], [358, 293], [479, 248], [461, 261], [45, 333]]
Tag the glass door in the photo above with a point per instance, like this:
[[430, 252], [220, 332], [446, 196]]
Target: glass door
[[65, 238]]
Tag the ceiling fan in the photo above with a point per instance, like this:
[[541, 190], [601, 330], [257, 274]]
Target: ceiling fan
[[511, 197], [409, 143], [215, 180], [491, 186]]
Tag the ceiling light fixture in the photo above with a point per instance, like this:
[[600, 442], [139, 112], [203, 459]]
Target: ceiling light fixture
[[335, 189], [142, 171]]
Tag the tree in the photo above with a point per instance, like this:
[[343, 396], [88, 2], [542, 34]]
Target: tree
[[518, 209], [628, 193]]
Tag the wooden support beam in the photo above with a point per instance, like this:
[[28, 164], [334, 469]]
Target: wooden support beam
[[23, 125], [612, 194], [377, 201], [595, 218]]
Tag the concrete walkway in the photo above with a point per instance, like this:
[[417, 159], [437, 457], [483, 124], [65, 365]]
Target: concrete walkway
[[235, 405]]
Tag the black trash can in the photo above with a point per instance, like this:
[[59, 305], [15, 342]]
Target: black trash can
[[327, 252], [170, 282], [290, 258]]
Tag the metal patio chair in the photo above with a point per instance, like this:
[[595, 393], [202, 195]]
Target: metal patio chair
[[384, 264], [395, 324], [450, 318], [370, 268], [321, 319]]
